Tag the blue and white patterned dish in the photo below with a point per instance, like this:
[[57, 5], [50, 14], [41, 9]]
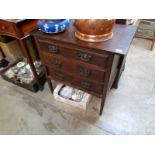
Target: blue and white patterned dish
[[53, 26]]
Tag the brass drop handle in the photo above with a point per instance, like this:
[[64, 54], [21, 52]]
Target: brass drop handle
[[59, 76], [85, 85], [56, 63], [53, 49], [84, 57], [84, 71]]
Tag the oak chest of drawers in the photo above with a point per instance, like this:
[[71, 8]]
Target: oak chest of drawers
[[91, 67]]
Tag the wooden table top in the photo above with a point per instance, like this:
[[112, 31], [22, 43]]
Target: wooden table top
[[14, 20], [119, 44]]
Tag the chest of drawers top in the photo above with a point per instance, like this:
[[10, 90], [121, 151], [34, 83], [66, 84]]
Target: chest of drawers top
[[119, 44]]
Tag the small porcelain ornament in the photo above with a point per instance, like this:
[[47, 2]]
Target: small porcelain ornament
[[53, 26], [77, 95]]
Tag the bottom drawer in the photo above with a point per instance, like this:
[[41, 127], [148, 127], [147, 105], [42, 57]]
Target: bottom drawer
[[77, 82]]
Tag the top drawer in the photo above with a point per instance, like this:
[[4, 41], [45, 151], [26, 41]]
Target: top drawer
[[7, 28], [78, 54]]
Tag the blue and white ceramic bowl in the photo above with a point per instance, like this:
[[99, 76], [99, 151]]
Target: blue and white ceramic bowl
[[53, 26]]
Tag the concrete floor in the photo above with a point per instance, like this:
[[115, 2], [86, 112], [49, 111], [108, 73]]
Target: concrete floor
[[130, 109]]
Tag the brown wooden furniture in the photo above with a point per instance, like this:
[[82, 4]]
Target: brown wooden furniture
[[91, 67], [121, 21], [19, 29], [146, 30]]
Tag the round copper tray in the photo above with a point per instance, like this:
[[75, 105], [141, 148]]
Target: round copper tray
[[93, 38]]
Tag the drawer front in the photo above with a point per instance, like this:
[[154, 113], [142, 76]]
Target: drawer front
[[6, 28], [74, 67], [78, 54], [77, 82]]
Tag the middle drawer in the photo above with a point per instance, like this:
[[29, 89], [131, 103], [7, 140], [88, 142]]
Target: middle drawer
[[74, 67]]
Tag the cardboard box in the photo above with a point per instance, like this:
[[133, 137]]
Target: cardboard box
[[82, 105], [12, 50]]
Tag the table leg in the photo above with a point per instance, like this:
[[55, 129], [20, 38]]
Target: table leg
[[2, 53], [50, 85], [152, 45], [48, 79], [30, 61], [121, 67], [102, 105], [106, 83]]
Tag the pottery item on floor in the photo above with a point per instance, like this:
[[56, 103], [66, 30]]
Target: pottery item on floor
[[94, 30], [78, 95], [53, 26], [1, 68], [22, 72], [28, 68], [15, 69], [38, 66], [26, 80], [66, 92], [10, 73], [21, 64], [71, 93], [81, 103]]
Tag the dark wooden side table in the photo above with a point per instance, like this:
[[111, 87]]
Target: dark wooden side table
[[91, 67], [19, 29]]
